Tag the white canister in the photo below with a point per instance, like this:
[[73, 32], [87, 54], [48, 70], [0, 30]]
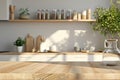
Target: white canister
[[84, 14], [43, 47]]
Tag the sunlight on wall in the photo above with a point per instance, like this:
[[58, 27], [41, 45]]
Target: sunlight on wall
[[79, 33], [61, 38], [89, 45], [58, 39]]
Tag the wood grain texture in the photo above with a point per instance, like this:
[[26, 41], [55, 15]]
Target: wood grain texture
[[29, 44], [58, 71], [83, 20], [39, 40], [12, 12], [50, 53]]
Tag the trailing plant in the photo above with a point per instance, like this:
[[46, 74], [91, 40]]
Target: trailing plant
[[19, 42], [107, 21]]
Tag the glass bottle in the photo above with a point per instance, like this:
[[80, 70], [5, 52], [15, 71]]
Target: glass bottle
[[63, 14], [53, 14], [43, 14], [58, 14], [47, 15], [39, 14], [111, 54], [75, 15], [68, 14]]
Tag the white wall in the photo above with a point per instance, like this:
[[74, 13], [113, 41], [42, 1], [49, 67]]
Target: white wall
[[62, 34]]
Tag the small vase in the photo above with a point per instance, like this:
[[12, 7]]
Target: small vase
[[20, 49], [111, 54]]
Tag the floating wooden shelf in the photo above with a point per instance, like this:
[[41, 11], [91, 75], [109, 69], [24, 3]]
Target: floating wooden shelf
[[89, 20]]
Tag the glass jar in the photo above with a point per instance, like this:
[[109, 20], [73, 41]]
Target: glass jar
[[39, 14], [111, 54], [63, 16], [58, 14], [53, 14], [68, 14], [43, 14], [47, 15], [75, 15]]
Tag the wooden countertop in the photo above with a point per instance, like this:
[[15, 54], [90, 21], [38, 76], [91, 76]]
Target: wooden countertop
[[50, 53], [58, 71]]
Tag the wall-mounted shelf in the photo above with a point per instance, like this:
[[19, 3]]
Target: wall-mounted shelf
[[90, 20]]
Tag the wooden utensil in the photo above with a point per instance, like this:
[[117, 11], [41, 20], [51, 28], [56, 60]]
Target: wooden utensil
[[39, 40], [12, 11], [29, 45]]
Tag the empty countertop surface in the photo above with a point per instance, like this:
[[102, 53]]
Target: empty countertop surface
[[49, 53], [58, 71]]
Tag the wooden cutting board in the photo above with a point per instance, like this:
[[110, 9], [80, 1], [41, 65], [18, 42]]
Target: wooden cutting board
[[39, 40], [29, 45]]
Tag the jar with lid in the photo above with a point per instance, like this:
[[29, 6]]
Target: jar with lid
[[58, 14], [79, 16], [43, 14], [75, 15], [68, 14], [39, 14], [53, 14], [84, 14], [63, 14], [47, 14]]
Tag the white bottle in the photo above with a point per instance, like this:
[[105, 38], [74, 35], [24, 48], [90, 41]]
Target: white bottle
[[84, 14], [43, 47]]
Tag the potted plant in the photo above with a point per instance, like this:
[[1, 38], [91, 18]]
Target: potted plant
[[24, 13], [19, 43], [108, 24], [107, 21]]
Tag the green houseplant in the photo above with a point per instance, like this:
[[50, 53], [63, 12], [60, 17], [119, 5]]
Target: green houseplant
[[19, 43], [108, 24], [107, 21], [24, 13]]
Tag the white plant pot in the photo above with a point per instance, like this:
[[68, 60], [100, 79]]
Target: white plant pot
[[20, 48]]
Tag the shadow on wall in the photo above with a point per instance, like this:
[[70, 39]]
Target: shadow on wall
[[65, 39]]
